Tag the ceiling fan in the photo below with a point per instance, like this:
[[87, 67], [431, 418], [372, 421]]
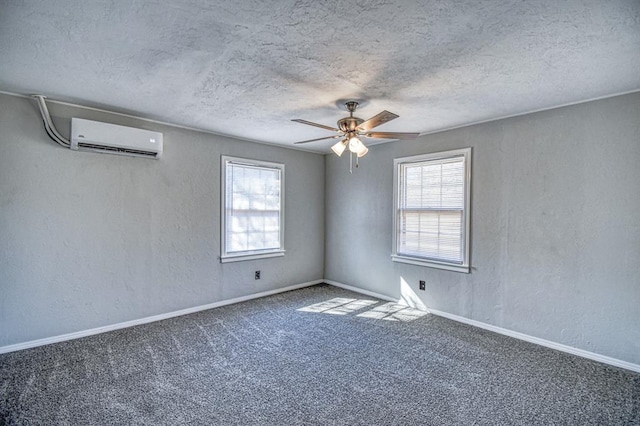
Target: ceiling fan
[[352, 128]]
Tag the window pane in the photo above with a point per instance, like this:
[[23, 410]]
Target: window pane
[[255, 241], [237, 242], [272, 223], [272, 239], [252, 207], [431, 213], [434, 185], [432, 234]]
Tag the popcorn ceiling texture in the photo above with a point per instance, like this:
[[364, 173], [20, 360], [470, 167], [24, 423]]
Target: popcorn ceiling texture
[[247, 68]]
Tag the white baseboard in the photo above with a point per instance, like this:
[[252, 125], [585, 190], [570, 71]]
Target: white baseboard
[[160, 317], [515, 334], [542, 342], [521, 336]]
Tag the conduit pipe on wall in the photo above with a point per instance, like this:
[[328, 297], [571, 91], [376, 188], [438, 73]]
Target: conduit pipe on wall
[[48, 123]]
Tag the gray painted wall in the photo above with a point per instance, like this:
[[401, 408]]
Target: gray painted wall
[[555, 226], [88, 239]]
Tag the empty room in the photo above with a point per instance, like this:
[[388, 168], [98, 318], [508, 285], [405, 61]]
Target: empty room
[[319, 213]]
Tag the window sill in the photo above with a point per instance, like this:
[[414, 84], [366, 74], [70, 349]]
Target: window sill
[[431, 264], [254, 256]]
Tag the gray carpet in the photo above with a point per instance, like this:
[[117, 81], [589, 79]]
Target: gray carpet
[[312, 356]]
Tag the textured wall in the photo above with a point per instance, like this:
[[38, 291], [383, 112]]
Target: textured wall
[[91, 239], [555, 226]]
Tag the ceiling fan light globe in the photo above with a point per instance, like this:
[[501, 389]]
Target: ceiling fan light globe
[[355, 145], [339, 148], [363, 151]]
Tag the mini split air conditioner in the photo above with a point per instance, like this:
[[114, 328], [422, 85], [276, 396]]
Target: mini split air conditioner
[[87, 135]]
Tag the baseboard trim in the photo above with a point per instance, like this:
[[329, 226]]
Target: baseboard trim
[[515, 334], [542, 342], [146, 320]]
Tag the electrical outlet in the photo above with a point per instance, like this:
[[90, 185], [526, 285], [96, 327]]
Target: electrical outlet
[[257, 275], [423, 285]]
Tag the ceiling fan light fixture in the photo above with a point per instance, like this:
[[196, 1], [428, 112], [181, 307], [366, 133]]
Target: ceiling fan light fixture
[[355, 144], [354, 128], [357, 147], [339, 147]]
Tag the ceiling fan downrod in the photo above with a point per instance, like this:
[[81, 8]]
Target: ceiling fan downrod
[[349, 125], [351, 107]]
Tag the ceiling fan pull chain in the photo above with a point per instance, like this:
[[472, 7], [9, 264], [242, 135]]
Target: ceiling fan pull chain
[[357, 165], [350, 162]]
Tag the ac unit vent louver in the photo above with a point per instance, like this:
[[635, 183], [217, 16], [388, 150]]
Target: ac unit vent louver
[[87, 135]]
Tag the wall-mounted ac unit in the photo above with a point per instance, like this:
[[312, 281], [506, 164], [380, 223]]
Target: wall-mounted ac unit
[[87, 135]]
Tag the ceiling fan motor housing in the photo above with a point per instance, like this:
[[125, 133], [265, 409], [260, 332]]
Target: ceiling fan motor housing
[[349, 124]]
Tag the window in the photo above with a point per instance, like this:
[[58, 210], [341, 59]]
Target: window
[[252, 216], [431, 213]]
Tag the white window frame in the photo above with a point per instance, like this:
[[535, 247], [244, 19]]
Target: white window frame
[[225, 256], [464, 266]]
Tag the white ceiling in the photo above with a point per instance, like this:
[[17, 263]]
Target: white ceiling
[[245, 68]]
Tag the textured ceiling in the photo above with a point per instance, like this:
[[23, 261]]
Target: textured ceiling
[[247, 67]]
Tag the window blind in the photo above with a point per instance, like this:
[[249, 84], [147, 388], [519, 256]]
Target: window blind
[[430, 214]]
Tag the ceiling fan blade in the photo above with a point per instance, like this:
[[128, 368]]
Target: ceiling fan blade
[[377, 120], [391, 135], [319, 139], [310, 123]]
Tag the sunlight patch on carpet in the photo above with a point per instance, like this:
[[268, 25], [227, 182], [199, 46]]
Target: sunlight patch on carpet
[[338, 306], [393, 312], [343, 306]]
